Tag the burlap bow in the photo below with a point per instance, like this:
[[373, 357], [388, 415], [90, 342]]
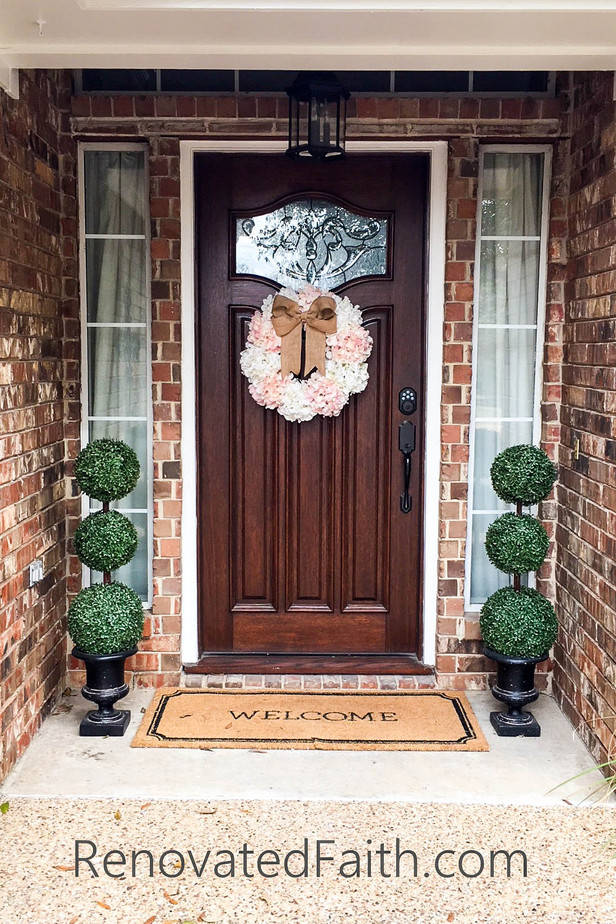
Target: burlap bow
[[290, 322]]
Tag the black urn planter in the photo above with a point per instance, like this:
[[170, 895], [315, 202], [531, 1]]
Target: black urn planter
[[105, 685], [515, 686]]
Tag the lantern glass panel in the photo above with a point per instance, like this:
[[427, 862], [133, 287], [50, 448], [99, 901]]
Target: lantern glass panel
[[303, 128], [341, 136], [323, 139]]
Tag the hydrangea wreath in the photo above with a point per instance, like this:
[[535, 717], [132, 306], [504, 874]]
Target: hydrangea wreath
[[346, 369]]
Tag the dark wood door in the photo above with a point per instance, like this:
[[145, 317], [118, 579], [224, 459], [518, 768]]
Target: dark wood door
[[304, 552]]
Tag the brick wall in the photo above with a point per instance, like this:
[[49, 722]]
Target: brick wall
[[39, 374], [36, 265], [162, 121], [585, 669]]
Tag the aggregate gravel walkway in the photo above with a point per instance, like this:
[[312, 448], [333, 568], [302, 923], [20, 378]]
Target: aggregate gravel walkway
[[571, 863]]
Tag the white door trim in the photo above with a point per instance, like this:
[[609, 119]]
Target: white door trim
[[434, 361]]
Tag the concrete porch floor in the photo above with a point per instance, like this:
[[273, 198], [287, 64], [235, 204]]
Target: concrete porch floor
[[518, 771]]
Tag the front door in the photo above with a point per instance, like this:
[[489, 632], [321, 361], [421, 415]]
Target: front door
[[306, 559]]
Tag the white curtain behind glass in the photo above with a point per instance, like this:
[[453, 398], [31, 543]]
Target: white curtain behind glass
[[117, 315], [505, 347], [116, 281]]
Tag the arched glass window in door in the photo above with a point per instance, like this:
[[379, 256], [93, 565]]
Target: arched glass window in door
[[312, 240]]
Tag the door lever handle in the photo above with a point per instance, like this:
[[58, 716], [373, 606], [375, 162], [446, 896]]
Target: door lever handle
[[406, 445]]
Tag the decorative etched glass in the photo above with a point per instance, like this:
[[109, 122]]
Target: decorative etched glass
[[314, 241]]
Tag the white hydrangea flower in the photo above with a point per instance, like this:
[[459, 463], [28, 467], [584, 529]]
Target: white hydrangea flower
[[266, 307], [256, 363], [351, 377], [294, 404]]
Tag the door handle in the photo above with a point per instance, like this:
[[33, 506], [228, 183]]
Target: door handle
[[406, 445]]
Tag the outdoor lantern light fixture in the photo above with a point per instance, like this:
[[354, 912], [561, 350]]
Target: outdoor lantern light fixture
[[317, 115]]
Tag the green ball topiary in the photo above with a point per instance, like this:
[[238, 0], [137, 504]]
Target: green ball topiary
[[522, 474], [516, 544], [106, 540], [518, 623], [105, 618], [107, 470]]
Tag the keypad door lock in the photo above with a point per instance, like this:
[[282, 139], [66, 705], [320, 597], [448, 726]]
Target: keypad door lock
[[407, 401]]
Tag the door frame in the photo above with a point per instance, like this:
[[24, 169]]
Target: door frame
[[435, 297]]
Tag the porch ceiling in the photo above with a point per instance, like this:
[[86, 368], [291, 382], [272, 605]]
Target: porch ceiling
[[293, 34]]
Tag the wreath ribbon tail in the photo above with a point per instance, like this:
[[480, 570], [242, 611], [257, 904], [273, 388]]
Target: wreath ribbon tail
[[315, 350], [286, 321], [291, 351]]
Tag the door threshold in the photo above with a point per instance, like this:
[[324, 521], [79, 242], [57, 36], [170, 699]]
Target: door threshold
[[234, 663]]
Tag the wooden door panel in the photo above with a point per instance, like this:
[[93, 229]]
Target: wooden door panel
[[310, 633], [310, 516], [303, 549], [365, 451], [254, 499]]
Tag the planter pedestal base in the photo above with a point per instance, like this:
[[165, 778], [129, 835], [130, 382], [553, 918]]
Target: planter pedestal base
[[510, 725], [96, 724]]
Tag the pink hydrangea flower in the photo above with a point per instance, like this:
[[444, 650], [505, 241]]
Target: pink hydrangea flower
[[306, 296], [268, 392], [352, 346], [262, 334], [325, 396]]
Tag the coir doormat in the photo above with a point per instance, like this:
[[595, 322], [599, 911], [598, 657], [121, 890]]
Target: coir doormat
[[418, 720]]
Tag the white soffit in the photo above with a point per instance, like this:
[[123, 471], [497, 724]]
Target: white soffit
[[302, 34], [377, 6]]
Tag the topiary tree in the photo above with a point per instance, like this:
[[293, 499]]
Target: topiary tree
[[519, 621], [106, 540], [522, 475], [107, 470], [516, 543], [106, 618]]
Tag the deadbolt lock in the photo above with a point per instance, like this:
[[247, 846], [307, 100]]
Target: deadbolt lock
[[407, 400]]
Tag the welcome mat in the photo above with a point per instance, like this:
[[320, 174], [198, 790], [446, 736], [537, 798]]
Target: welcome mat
[[414, 720]]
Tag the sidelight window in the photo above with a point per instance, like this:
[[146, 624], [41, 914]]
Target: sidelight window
[[115, 298], [509, 315]]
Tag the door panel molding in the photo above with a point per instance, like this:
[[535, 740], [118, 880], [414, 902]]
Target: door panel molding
[[436, 265], [253, 557], [364, 584], [308, 583]]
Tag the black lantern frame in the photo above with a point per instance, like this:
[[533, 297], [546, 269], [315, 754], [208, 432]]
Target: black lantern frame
[[317, 116]]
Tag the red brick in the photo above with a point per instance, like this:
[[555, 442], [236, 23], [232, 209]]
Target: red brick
[[585, 602], [40, 346]]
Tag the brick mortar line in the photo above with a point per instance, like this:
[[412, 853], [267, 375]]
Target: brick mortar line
[[588, 723], [585, 474], [571, 618], [579, 603], [578, 583]]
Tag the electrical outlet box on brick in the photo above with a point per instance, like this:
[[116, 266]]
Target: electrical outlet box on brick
[[36, 572]]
